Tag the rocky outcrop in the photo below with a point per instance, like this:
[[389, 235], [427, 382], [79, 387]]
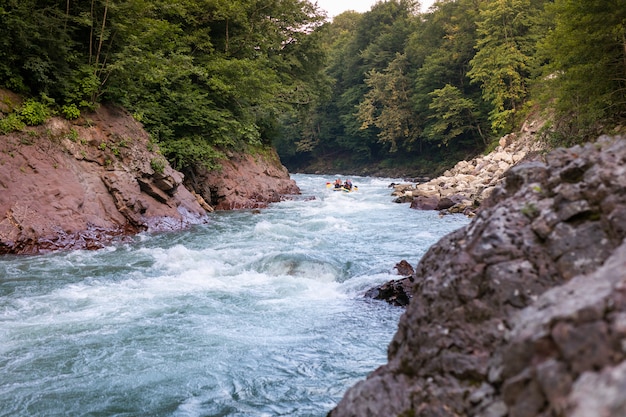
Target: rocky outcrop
[[397, 292], [463, 188], [522, 312], [244, 181], [82, 184], [79, 185]]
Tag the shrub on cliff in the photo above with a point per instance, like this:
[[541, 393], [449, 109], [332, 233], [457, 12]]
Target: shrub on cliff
[[31, 113], [11, 123], [34, 112]]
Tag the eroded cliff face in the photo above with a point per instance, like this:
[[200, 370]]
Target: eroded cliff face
[[244, 181], [79, 185], [523, 311], [82, 184]]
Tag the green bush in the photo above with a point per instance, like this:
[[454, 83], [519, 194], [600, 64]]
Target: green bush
[[71, 111], [83, 86], [11, 123], [72, 135], [34, 112], [158, 165], [190, 151]]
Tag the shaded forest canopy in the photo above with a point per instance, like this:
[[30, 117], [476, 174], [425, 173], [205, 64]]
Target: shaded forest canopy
[[391, 86]]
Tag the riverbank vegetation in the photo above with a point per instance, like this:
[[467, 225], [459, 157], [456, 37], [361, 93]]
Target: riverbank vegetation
[[418, 91], [392, 88], [203, 76]]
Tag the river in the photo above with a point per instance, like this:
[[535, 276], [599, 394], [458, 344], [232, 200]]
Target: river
[[253, 314]]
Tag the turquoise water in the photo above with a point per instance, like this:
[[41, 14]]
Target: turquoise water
[[249, 315]]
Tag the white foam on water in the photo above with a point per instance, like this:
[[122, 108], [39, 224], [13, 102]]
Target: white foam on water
[[358, 285], [248, 315], [424, 234]]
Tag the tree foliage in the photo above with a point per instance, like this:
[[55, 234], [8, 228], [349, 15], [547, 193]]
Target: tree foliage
[[505, 57], [453, 116], [585, 72], [426, 85], [388, 84], [387, 105], [207, 74]]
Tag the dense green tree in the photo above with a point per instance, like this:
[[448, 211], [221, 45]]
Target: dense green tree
[[386, 64], [205, 75], [586, 65], [387, 106], [454, 115], [228, 71], [442, 49], [200, 74], [36, 52], [506, 57], [448, 81], [359, 44]]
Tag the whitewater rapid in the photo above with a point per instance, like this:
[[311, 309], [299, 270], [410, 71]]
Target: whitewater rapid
[[252, 314]]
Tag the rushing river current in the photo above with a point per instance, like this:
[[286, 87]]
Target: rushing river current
[[252, 314]]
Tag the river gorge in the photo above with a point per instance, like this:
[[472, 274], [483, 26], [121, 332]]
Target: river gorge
[[256, 313]]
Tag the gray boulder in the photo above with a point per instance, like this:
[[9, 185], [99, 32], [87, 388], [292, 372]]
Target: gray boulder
[[523, 311]]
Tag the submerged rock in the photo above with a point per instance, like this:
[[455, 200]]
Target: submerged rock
[[521, 312], [396, 292]]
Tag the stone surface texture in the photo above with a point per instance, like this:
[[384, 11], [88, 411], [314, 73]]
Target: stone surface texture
[[464, 187], [82, 184], [245, 181], [522, 312]]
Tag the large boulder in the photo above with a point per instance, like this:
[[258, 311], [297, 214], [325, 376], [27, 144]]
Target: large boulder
[[521, 312]]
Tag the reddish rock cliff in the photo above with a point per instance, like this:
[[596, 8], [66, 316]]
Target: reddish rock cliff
[[76, 185], [245, 181]]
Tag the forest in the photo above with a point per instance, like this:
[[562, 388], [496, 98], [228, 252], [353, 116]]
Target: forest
[[392, 87]]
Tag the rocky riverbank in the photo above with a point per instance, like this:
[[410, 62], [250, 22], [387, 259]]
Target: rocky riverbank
[[521, 313], [81, 184], [463, 188]]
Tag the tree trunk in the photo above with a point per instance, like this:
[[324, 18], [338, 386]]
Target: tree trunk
[[624, 45], [226, 36], [91, 33], [101, 40]]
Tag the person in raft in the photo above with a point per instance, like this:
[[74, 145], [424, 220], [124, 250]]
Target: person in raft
[[347, 185], [338, 183]]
